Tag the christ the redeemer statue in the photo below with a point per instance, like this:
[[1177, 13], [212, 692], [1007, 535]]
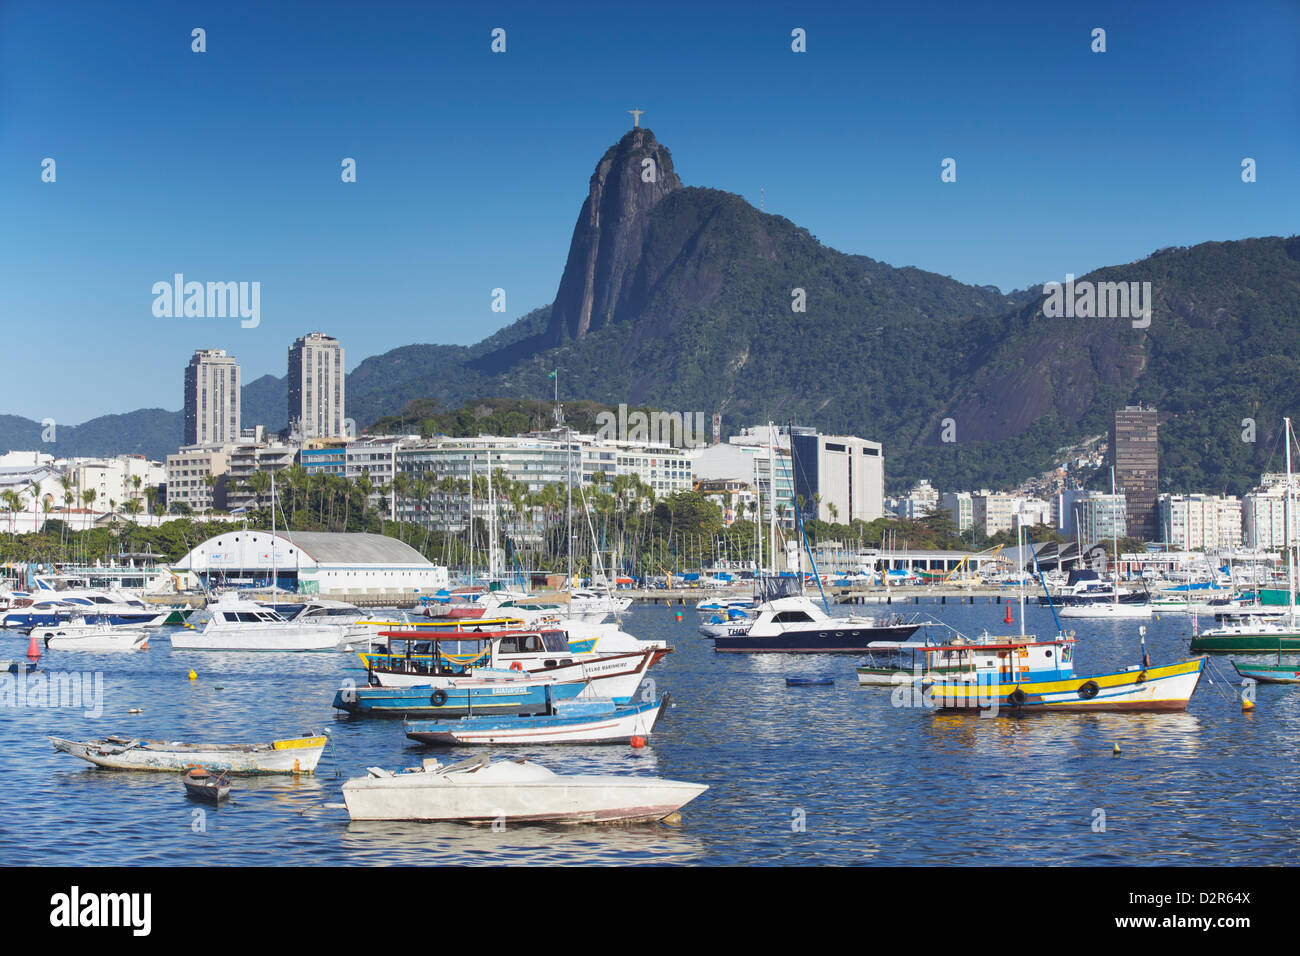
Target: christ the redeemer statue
[[636, 117]]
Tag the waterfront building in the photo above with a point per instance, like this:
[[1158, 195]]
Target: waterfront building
[[211, 398], [433, 474], [993, 513], [316, 388], [736, 498], [1135, 454], [324, 456], [841, 478], [1200, 522], [1264, 518], [188, 473], [114, 479], [1100, 517], [1035, 512], [745, 458], [1062, 516], [367, 569], [247, 459], [960, 507], [919, 502]]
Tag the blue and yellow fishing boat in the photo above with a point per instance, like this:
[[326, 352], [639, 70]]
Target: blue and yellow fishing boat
[[1005, 678]]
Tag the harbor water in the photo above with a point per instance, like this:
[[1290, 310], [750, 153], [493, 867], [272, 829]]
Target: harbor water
[[798, 775]]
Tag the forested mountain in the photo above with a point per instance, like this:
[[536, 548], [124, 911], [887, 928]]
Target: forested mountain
[[691, 300]]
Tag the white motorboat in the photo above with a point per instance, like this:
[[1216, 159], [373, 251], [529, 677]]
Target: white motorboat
[[797, 625], [237, 625], [481, 791], [78, 635], [587, 603], [326, 611]]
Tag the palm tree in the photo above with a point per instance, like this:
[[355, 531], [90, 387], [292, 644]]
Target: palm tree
[[87, 499], [259, 483], [14, 503], [211, 481]]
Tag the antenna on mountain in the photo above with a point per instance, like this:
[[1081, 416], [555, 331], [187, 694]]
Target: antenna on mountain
[[760, 199]]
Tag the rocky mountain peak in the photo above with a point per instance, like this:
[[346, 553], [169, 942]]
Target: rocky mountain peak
[[633, 176]]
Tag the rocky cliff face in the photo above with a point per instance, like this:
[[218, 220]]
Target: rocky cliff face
[[630, 180]]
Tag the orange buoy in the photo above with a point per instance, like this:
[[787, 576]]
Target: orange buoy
[[516, 666], [637, 742], [1007, 619], [33, 648]]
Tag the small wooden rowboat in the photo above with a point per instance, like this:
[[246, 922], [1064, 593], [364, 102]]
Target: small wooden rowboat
[[210, 787], [292, 755]]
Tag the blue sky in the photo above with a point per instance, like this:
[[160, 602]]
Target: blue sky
[[472, 166]]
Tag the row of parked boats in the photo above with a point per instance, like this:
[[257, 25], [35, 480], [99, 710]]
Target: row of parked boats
[[454, 678]]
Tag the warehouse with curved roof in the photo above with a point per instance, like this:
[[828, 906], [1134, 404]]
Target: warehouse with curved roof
[[362, 568]]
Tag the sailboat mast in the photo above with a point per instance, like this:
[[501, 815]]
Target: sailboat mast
[[492, 525], [471, 519], [771, 493], [568, 483], [1286, 516], [1020, 565], [1114, 539], [274, 576]]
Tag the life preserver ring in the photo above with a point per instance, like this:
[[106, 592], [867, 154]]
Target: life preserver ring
[[516, 666], [439, 697], [1088, 690], [1016, 698]]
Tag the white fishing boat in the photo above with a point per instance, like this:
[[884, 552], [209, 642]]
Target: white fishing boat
[[237, 625], [78, 635], [480, 791], [290, 755]]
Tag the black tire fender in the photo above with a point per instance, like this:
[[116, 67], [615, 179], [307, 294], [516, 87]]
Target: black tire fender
[[1088, 690], [438, 698]]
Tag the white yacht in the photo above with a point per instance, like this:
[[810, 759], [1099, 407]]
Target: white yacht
[[796, 625], [1106, 611], [238, 625], [79, 635], [47, 607]]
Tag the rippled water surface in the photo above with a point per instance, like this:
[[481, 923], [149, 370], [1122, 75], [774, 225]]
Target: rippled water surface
[[797, 775]]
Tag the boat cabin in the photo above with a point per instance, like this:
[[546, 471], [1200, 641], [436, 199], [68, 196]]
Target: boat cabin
[[459, 652], [1003, 662]]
